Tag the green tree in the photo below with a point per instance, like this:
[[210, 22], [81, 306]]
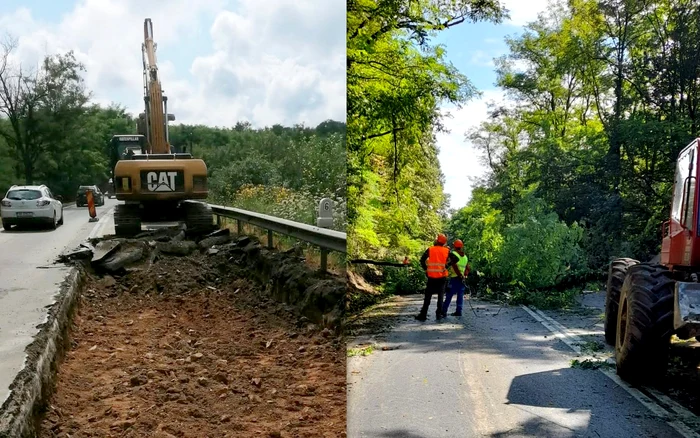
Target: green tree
[[41, 107], [397, 82], [606, 96]]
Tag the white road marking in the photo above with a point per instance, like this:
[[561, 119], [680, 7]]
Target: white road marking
[[99, 226], [679, 418]]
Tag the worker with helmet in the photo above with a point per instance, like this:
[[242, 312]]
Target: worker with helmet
[[455, 282], [435, 262]]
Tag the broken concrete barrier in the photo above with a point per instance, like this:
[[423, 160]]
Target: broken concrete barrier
[[122, 258], [215, 240], [177, 247], [318, 296]]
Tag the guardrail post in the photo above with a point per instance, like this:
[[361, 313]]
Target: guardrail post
[[218, 221], [270, 242], [324, 260], [325, 220], [239, 227]]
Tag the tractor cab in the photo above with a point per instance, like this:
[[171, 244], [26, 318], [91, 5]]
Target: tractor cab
[[680, 247], [648, 302]]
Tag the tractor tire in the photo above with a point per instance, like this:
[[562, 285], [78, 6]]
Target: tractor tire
[[127, 220], [616, 276], [644, 323]]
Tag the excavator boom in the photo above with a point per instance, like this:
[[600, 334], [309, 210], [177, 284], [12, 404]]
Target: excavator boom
[[156, 104]]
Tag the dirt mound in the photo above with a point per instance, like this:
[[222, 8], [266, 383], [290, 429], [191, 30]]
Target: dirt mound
[[216, 258], [195, 345]]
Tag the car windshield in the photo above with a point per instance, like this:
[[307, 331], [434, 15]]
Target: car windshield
[[23, 195], [84, 189]]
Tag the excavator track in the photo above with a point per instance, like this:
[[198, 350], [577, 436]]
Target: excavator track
[[127, 220], [199, 217]]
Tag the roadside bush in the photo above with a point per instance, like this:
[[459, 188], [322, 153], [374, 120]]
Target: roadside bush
[[535, 259], [299, 206], [402, 281], [539, 250]]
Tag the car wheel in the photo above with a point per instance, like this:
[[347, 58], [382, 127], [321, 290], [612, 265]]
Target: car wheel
[[6, 225], [60, 221], [53, 222]]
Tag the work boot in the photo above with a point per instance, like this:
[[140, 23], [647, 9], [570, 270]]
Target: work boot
[[439, 316], [456, 314], [421, 317]]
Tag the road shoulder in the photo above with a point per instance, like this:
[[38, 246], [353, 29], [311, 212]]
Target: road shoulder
[[581, 327]]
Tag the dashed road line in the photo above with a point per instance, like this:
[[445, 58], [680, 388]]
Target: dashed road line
[[679, 418]]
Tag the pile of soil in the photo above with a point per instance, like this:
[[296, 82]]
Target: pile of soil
[[177, 347]]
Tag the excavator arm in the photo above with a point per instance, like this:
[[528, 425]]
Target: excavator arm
[[156, 117]]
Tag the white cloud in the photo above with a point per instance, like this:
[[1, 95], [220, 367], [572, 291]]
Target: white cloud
[[284, 63], [459, 159], [483, 59], [523, 12]]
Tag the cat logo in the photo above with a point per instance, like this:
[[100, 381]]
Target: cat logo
[[161, 181]]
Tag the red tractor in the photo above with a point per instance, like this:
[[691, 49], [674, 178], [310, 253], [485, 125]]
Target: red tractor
[[647, 303]]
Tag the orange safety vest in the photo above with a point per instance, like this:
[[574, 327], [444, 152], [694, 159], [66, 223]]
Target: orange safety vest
[[437, 259]]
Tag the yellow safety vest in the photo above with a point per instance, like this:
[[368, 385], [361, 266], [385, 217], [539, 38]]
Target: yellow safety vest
[[461, 264]]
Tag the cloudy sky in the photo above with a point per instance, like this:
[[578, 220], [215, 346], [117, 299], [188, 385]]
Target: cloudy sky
[[471, 48], [221, 61]]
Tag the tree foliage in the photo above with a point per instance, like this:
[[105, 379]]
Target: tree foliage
[[283, 171], [397, 81], [605, 95]]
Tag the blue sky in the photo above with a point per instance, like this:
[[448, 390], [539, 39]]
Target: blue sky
[[471, 48], [221, 61]]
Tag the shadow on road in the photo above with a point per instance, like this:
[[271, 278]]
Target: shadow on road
[[562, 402], [488, 328], [527, 390], [589, 411], [400, 433], [539, 427], [28, 229]]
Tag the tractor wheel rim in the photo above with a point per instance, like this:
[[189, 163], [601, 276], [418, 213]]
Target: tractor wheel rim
[[622, 327]]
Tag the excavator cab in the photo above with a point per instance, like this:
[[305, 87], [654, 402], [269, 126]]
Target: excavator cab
[[121, 145]]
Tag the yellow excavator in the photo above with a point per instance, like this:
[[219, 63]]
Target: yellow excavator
[[156, 182]]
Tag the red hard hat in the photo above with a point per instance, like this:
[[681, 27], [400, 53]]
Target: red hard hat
[[458, 244], [441, 239]]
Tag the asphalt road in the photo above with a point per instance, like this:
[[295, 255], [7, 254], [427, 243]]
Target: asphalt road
[[28, 281], [495, 375]]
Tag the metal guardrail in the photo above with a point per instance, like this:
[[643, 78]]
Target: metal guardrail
[[326, 240]]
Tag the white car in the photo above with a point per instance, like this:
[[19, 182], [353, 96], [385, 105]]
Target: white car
[[31, 204]]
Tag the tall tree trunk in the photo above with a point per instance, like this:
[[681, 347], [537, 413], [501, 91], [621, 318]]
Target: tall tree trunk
[[28, 171]]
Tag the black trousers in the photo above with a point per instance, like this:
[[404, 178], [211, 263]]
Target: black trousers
[[434, 286]]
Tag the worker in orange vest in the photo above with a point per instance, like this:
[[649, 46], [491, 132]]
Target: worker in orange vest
[[435, 261]]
